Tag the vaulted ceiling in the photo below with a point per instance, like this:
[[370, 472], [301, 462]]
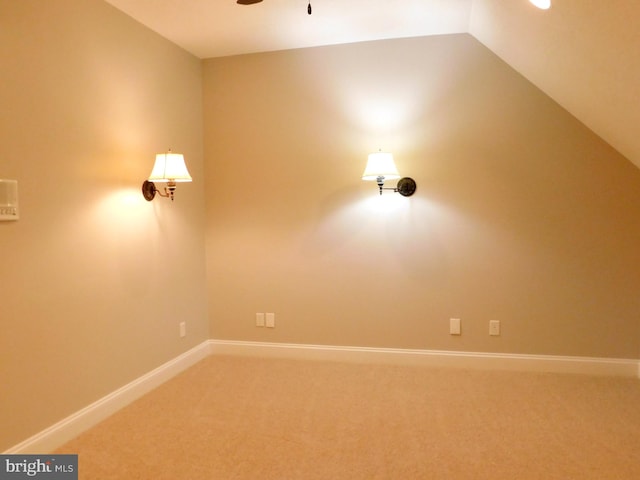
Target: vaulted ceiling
[[585, 54]]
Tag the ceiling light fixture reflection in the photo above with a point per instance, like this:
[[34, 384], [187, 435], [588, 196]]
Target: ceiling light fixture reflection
[[541, 4]]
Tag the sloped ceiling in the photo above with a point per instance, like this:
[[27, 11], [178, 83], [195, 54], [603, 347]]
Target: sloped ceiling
[[585, 54]]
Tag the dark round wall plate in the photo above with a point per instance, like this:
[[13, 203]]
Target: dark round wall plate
[[406, 186], [148, 190]]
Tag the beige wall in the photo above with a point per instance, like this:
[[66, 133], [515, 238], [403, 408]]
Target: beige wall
[[94, 278], [521, 215]]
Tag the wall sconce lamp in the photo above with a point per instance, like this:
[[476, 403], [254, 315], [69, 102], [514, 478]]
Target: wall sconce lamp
[[381, 167], [170, 169]]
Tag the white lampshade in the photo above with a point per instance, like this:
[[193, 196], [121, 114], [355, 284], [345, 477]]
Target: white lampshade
[[169, 167], [542, 4], [380, 164]]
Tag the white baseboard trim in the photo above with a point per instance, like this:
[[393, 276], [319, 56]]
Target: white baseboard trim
[[70, 427], [473, 360]]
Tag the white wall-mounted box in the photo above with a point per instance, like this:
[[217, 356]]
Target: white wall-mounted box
[[9, 200]]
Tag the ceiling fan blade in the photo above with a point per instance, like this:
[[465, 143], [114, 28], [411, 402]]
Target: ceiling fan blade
[[247, 2]]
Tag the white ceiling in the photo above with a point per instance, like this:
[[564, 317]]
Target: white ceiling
[[215, 28], [585, 54]]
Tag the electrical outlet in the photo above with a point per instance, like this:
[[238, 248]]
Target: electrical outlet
[[259, 319], [454, 326], [271, 320], [183, 329], [494, 327]]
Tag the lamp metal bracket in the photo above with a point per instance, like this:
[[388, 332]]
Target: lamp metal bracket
[[406, 186], [149, 190]]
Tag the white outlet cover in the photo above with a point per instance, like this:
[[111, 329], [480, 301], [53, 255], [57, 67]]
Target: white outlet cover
[[494, 327], [271, 320], [454, 326]]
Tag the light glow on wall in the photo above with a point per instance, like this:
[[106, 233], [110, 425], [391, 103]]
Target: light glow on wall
[[125, 207]]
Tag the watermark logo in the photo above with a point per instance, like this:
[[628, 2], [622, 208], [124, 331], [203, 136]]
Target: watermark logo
[[50, 467]]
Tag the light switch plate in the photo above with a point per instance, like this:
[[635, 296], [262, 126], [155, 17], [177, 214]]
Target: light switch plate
[[9, 200]]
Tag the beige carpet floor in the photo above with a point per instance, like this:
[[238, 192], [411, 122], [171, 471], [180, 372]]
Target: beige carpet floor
[[262, 419]]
